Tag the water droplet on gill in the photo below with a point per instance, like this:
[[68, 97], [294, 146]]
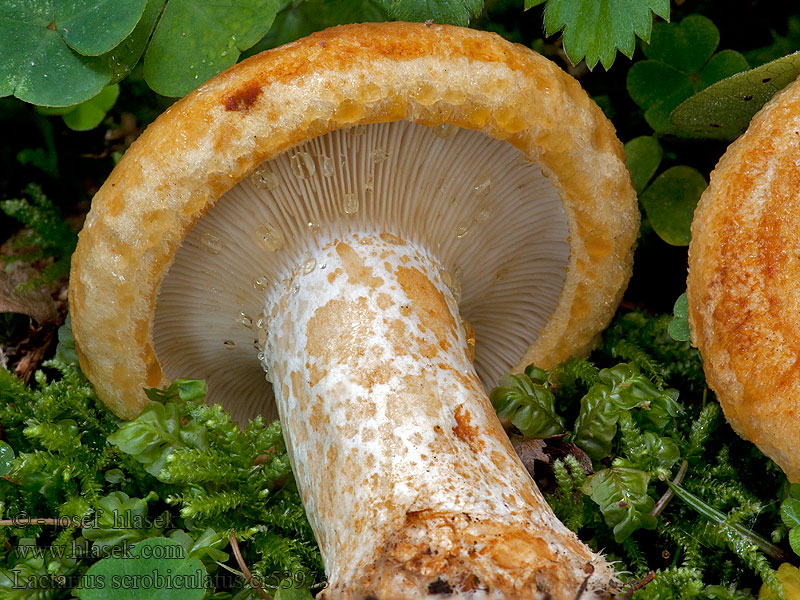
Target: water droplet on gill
[[262, 283], [309, 264], [265, 178], [260, 356], [484, 212], [270, 237], [350, 204], [262, 337], [369, 184], [245, 320], [445, 130], [295, 288], [483, 187], [452, 279], [379, 155], [302, 165], [229, 343], [211, 243], [458, 279], [462, 229], [327, 166], [323, 265], [313, 227]]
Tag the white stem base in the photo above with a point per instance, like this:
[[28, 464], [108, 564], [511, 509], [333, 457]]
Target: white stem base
[[408, 479]]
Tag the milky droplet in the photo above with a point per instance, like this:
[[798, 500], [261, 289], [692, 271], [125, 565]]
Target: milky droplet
[[211, 243], [350, 204], [462, 229], [270, 237], [245, 320], [302, 165]]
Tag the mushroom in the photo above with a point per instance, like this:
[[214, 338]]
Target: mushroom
[[744, 297], [341, 213]]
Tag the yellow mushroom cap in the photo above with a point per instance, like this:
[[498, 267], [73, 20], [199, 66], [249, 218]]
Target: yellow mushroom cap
[[207, 143], [744, 281]]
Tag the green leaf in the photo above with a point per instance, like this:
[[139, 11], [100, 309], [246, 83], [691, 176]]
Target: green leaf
[[37, 65], [6, 459], [529, 406], [155, 569], [194, 41], [670, 202], [155, 434], [794, 539], [88, 115], [123, 58], [620, 388], [621, 494], [658, 88], [286, 591], [790, 512], [679, 325], [680, 64], [93, 27], [643, 154], [723, 111], [453, 12], [300, 19], [183, 389], [119, 520], [686, 45], [595, 29]]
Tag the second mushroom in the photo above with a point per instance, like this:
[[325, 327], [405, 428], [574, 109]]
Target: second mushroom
[[382, 219]]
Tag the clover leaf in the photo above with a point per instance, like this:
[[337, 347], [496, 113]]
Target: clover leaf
[[595, 29], [194, 41], [669, 203], [723, 110], [154, 569], [681, 62], [621, 494], [38, 66], [454, 12], [643, 154], [678, 328], [93, 27]]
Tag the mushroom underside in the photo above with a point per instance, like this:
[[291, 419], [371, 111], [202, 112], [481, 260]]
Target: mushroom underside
[[493, 219]]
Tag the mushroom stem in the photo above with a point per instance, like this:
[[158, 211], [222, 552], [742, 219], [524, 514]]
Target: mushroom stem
[[408, 479]]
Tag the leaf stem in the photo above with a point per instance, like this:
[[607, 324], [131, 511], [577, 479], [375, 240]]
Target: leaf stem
[[668, 495], [720, 518], [243, 566]]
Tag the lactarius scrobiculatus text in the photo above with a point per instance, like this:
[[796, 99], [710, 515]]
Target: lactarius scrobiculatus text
[[341, 213], [744, 281]]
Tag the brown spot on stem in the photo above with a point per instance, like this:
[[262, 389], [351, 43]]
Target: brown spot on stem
[[357, 271], [465, 431]]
